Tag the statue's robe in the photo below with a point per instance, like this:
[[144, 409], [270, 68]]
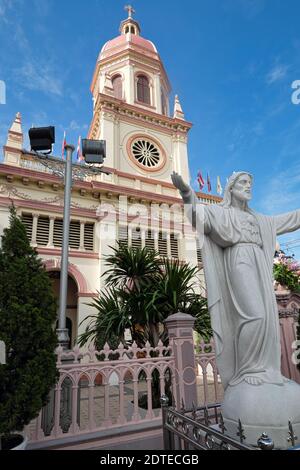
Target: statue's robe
[[240, 292]]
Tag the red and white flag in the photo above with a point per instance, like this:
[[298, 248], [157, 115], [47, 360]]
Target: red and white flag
[[79, 154], [200, 180], [64, 143]]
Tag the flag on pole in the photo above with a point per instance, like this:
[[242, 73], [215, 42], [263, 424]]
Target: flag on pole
[[200, 180], [64, 143], [219, 186], [208, 183], [79, 154]]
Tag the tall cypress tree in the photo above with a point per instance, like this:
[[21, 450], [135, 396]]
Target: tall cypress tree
[[27, 318]]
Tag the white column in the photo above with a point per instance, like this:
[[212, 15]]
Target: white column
[[181, 157], [156, 241], [4, 219], [107, 132], [81, 244], [129, 84], [157, 94], [188, 248], [108, 238], [169, 244], [34, 229], [143, 235], [51, 232], [129, 235]]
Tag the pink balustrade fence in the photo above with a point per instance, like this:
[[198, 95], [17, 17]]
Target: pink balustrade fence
[[112, 389], [209, 387], [98, 390]]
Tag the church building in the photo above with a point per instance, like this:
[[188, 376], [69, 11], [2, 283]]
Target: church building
[[136, 203]]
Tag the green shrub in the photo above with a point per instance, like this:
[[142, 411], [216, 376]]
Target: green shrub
[[27, 316]]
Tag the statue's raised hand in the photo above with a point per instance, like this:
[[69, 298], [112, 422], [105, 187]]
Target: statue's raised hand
[[179, 183]]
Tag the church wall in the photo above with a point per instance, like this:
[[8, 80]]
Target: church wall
[[39, 193], [4, 220]]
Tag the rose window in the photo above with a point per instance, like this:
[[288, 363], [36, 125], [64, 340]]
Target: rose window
[[146, 153]]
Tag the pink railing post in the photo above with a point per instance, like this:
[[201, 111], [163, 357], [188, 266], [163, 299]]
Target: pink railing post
[[122, 418], [180, 329], [91, 406]]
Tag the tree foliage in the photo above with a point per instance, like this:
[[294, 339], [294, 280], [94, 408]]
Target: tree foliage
[[286, 277], [27, 315], [142, 290]]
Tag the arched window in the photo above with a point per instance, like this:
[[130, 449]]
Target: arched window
[[127, 29], [132, 30], [117, 86], [164, 107], [143, 89]]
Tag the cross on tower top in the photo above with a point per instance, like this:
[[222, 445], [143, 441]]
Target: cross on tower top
[[130, 10]]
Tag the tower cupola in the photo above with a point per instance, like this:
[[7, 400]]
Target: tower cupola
[[130, 26], [131, 109]]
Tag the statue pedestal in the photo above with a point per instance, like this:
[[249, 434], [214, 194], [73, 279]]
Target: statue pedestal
[[263, 408]]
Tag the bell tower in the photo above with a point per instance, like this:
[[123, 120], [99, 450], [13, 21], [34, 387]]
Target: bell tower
[[131, 108]]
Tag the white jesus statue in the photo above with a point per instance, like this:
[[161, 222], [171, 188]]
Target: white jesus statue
[[238, 251]]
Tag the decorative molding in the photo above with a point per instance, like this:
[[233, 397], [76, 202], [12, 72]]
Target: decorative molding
[[109, 104], [38, 205], [72, 253], [103, 187]]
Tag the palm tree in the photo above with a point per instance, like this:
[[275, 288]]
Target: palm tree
[[142, 291]]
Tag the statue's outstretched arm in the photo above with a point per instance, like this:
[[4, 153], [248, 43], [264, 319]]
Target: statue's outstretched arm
[[288, 222], [179, 183], [193, 208]]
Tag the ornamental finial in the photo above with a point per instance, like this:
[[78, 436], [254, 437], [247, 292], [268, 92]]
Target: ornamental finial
[[130, 10]]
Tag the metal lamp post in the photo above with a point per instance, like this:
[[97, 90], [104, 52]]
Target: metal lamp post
[[94, 152], [62, 331]]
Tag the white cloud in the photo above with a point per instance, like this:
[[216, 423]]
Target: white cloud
[[35, 77], [39, 75], [74, 126], [282, 191], [5, 6], [276, 74]]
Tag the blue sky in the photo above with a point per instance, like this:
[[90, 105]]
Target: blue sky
[[232, 62]]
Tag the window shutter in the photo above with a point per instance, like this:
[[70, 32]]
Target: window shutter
[[89, 237], [58, 232], [163, 244], [123, 235], [42, 234], [74, 235], [136, 240], [174, 246], [27, 220], [199, 256], [149, 240]]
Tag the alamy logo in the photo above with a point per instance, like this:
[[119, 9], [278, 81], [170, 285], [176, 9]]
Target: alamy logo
[[296, 353], [2, 92], [296, 94]]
